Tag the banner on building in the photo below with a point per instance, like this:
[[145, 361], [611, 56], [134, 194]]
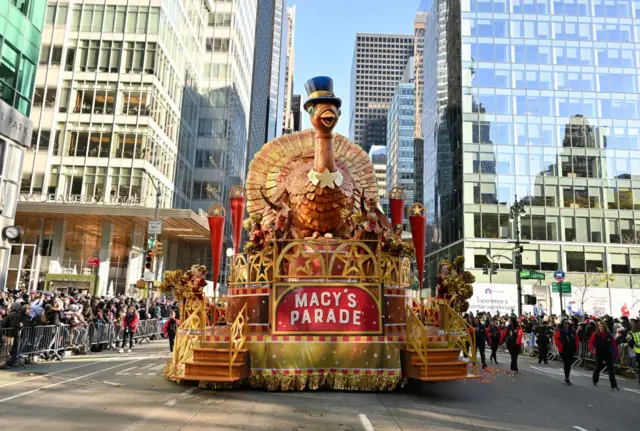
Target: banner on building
[[493, 298]]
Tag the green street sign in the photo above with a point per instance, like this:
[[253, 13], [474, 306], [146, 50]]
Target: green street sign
[[528, 274], [566, 287]]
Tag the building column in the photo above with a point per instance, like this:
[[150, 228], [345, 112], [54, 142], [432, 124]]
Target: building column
[[136, 259], [172, 254], [106, 243], [58, 244]]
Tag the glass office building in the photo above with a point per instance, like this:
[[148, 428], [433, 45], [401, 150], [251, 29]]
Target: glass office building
[[536, 99], [400, 142]]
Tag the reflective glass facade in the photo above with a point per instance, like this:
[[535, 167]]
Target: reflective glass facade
[[400, 142], [20, 33], [539, 99]]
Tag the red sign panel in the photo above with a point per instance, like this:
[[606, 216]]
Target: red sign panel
[[327, 310], [93, 261]]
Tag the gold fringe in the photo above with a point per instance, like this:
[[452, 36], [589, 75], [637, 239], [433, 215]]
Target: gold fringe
[[339, 382]]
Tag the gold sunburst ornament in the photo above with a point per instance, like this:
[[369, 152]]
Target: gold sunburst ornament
[[217, 210], [417, 209]]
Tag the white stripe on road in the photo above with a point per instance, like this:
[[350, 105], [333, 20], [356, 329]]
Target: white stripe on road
[[173, 401], [158, 367], [366, 424], [580, 428], [124, 372], [635, 391], [53, 385], [47, 375]]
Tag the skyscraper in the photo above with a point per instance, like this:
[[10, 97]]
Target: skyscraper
[[418, 72], [20, 33], [378, 63], [287, 111], [536, 100], [266, 75], [296, 112], [400, 140]]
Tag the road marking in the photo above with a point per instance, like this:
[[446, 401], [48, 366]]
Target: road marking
[[366, 424], [158, 367], [580, 428], [635, 391], [173, 401], [53, 385], [124, 372], [559, 372], [49, 374]]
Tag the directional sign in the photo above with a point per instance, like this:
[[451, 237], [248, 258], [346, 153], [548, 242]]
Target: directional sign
[[154, 227], [558, 275], [528, 274], [566, 287], [149, 276]]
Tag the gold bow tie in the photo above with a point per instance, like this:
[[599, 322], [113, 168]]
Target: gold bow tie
[[325, 179]]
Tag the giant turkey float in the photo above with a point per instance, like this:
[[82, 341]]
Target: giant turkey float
[[319, 296]]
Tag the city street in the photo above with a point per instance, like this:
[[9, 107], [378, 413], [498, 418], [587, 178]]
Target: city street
[[128, 391]]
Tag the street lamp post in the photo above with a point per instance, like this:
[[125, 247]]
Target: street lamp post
[[515, 213], [155, 236]]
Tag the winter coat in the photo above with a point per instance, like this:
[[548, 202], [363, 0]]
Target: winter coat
[[512, 336], [603, 344], [543, 336], [170, 327], [566, 341], [130, 322]]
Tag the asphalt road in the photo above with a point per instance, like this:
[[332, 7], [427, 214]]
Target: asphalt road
[[128, 392]]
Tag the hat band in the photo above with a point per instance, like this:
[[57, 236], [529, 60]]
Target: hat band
[[320, 93]]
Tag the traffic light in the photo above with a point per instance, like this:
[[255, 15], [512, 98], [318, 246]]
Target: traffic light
[[518, 261], [148, 260], [494, 268], [159, 248], [529, 299], [485, 269]]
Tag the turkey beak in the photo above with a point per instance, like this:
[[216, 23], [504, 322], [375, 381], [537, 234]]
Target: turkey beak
[[328, 118]]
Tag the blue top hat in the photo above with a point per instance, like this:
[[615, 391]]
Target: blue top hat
[[320, 89]]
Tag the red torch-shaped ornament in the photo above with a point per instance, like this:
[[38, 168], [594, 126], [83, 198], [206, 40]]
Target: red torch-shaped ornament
[[237, 213], [396, 205], [216, 217], [418, 222]]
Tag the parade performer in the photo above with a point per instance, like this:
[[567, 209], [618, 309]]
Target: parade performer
[[481, 340], [567, 342], [512, 336], [494, 340], [542, 335], [170, 329], [129, 325], [604, 346]]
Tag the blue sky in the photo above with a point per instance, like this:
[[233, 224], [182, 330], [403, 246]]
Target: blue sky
[[325, 36]]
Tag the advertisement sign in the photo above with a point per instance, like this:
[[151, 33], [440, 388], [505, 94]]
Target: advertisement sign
[[333, 309], [493, 298], [93, 261]]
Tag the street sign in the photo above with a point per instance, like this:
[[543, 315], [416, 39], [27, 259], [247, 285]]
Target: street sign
[[154, 227], [93, 261], [558, 275], [528, 274], [149, 276], [566, 287]]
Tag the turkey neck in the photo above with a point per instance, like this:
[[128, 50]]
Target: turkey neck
[[324, 158]]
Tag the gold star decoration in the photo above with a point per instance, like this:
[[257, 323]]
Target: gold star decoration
[[326, 178], [417, 209], [217, 211]]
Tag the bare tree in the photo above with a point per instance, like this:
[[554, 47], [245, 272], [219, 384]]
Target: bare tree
[[593, 279]]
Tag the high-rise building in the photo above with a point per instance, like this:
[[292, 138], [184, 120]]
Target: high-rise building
[[20, 33], [266, 75], [132, 102], [535, 100], [400, 140], [296, 112], [378, 63], [419, 25], [378, 156], [287, 111]]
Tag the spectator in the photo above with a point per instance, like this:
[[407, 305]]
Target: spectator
[[130, 325]]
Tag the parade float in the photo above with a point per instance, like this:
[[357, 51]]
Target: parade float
[[319, 296]]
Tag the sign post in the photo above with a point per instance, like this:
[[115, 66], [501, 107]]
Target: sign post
[[559, 276]]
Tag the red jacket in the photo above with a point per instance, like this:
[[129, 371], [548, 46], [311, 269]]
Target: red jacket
[[133, 324], [597, 340], [518, 338], [165, 328], [558, 342]]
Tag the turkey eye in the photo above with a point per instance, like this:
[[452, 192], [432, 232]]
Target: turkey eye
[[311, 110], [339, 112]]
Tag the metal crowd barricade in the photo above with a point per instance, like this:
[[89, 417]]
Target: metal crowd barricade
[[6, 342]]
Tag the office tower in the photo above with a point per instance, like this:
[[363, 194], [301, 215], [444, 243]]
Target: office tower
[[400, 139], [418, 72], [378, 63], [131, 103], [287, 113], [224, 112], [378, 156], [296, 112], [266, 75], [20, 33], [536, 100]]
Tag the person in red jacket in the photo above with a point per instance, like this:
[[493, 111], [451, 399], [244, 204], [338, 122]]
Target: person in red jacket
[[512, 335], [129, 326], [604, 346], [170, 328], [567, 341]]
